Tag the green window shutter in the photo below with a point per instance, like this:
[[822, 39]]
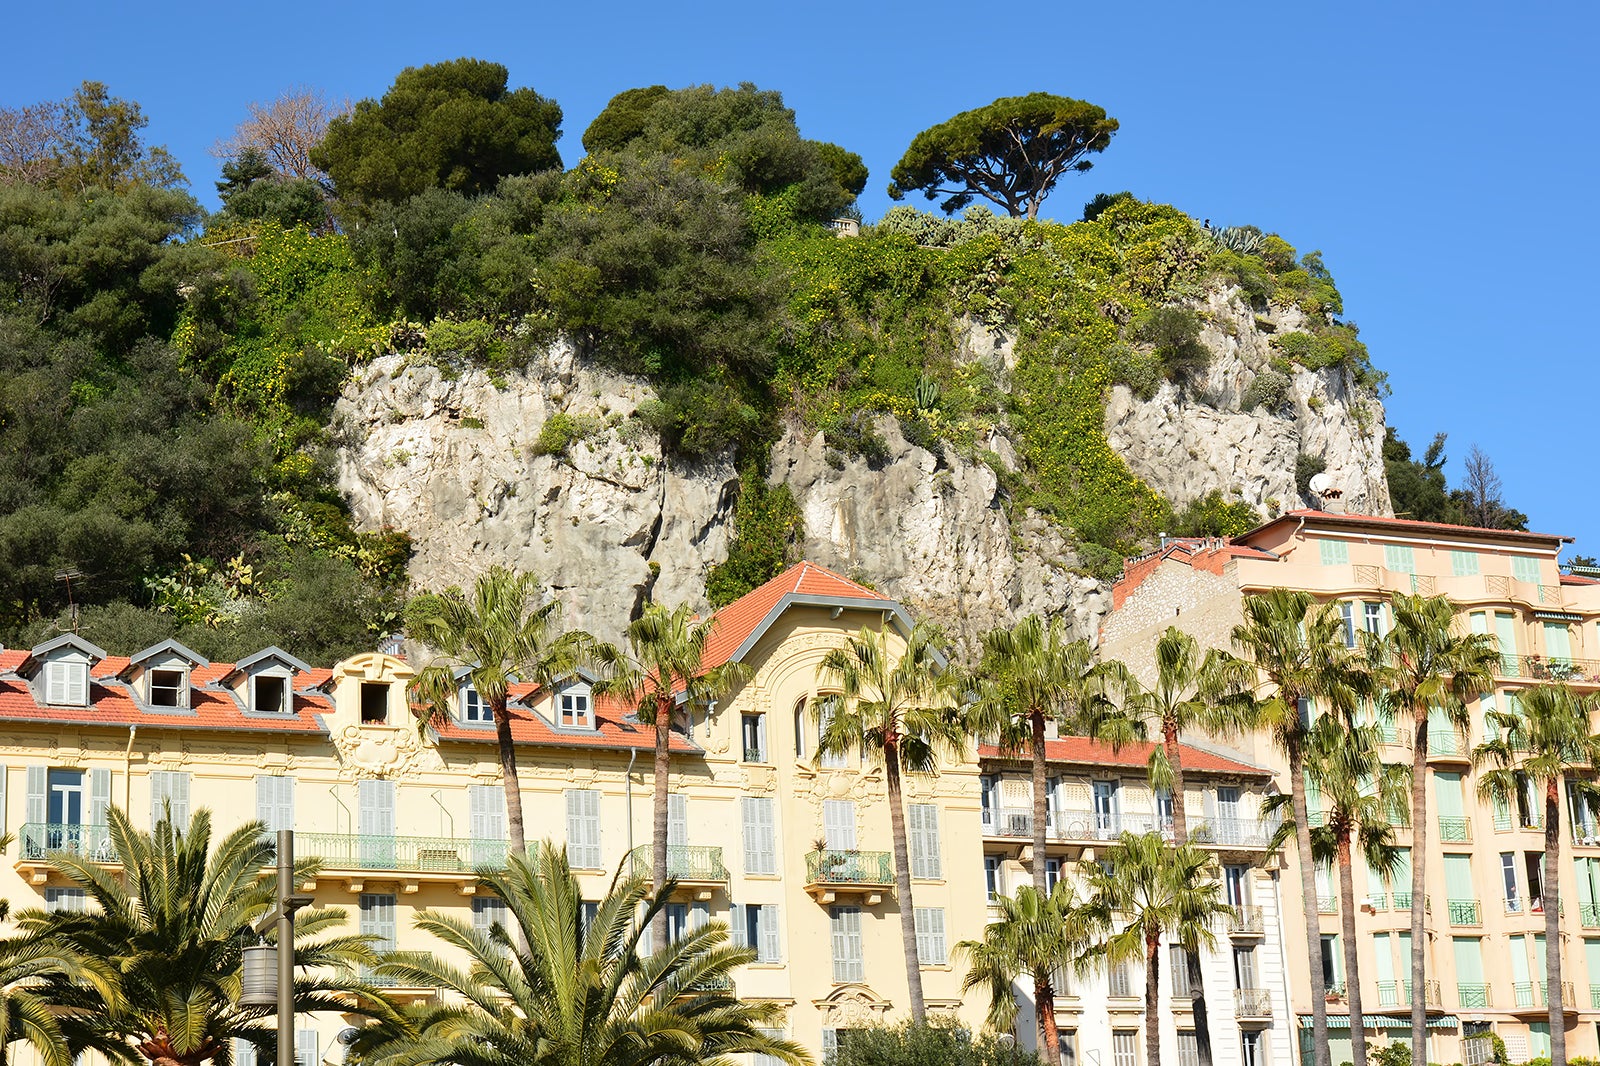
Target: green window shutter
[[1525, 568], [1557, 640], [1333, 552], [1447, 793], [1383, 958], [1469, 959], [1464, 564], [1458, 876], [1399, 558]]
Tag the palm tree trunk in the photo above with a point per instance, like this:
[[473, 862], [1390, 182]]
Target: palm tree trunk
[[1308, 889], [509, 779], [1352, 970], [1044, 999], [1419, 899], [1152, 992], [1191, 953], [1041, 801], [658, 831], [902, 880], [1552, 921]]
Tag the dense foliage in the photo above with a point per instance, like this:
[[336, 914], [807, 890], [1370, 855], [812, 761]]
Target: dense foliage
[[931, 1043], [1418, 489]]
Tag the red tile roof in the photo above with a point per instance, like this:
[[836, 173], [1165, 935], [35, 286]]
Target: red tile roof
[[1081, 751], [755, 610], [614, 728]]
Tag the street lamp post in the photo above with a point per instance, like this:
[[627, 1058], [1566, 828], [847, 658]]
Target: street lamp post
[[283, 917]]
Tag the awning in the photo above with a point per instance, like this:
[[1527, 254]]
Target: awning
[[1384, 1021], [1558, 616]]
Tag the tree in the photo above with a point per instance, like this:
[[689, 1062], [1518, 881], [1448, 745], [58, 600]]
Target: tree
[[285, 130], [90, 140], [1011, 152], [662, 667], [1363, 799], [901, 709], [251, 189], [25, 966], [491, 638], [1155, 890], [1187, 695], [1299, 650], [1030, 676], [558, 987], [1037, 936], [31, 138], [159, 949], [1417, 489], [452, 125], [1543, 743], [1424, 669], [1479, 496]]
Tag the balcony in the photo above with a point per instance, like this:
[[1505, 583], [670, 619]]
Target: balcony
[[1448, 745], [1398, 993], [1225, 833], [1402, 902], [698, 870], [1586, 835], [1594, 997], [38, 841], [1548, 668], [395, 987], [1465, 912], [1254, 1004], [1589, 915], [831, 873], [349, 857], [1247, 921], [1327, 904], [1473, 994], [1455, 830], [1535, 995]]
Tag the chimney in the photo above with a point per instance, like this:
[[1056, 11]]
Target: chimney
[[1333, 501]]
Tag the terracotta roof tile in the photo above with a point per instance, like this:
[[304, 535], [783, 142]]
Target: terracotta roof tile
[[1081, 751], [734, 624], [614, 729]]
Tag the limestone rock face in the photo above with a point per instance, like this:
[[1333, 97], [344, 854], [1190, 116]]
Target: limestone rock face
[[1186, 441], [451, 461]]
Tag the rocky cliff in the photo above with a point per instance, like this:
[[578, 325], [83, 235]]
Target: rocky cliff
[[463, 463]]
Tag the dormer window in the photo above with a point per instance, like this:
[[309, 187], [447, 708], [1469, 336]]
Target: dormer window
[[474, 708], [269, 694], [168, 688], [374, 703], [574, 710], [66, 683]]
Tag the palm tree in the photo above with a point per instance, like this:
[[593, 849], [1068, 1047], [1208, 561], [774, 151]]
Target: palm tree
[[557, 988], [1032, 675], [901, 709], [1189, 693], [663, 665], [159, 950], [1155, 889], [1362, 798], [1543, 744], [26, 965], [1036, 936], [496, 635], [1299, 650], [1420, 664]]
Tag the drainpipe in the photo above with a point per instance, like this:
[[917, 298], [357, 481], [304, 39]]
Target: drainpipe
[[434, 795], [127, 769], [333, 790]]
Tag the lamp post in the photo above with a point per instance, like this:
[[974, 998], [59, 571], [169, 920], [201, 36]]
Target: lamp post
[[257, 990]]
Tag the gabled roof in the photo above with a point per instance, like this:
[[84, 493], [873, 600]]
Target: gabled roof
[[738, 626], [1083, 752], [31, 659], [272, 653], [193, 658]]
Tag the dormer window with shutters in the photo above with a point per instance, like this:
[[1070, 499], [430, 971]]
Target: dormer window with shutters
[[59, 670], [575, 707], [66, 683]]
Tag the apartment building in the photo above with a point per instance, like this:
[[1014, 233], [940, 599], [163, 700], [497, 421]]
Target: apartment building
[[792, 852], [1485, 924], [1095, 795]]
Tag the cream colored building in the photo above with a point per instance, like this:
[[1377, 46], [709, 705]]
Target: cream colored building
[[792, 852], [1485, 951]]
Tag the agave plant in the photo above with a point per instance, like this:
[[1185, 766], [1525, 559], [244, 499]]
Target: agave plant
[[1246, 240]]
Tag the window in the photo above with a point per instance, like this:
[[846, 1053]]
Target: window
[[275, 802], [1178, 963], [168, 688], [839, 824], [1250, 1052], [833, 760], [588, 911], [1236, 885], [1399, 558], [761, 1059], [575, 711], [1120, 982], [307, 1048], [831, 1039], [1333, 552], [1533, 865], [244, 1053], [677, 921], [169, 789], [583, 828], [269, 694], [1244, 969], [1525, 568], [989, 800], [1372, 618], [1125, 1047], [1464, 564], [377, 920], [1508, 879], [1107, 811], [66, 683], [1188, 1048], [374, 702], [800, 728], [1332, 963], [1068, 1039], [924, 829], [1347, 612], [68, 900], [991, 876], [488, 911], [375, 823], [474, 708], [848, 964], [929, 922], [755, 737], [486, 822], [755, 925], [677, 823], [1052, 874], [760, 834]]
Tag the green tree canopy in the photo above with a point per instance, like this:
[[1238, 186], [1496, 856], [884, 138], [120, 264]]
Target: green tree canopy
[[88, 141], [1011, 152], [452, 125]]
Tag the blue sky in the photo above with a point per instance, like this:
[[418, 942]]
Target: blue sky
[[1443, 158]]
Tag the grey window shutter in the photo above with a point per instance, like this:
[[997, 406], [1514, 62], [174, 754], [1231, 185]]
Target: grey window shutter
[[925, 841], [244, 1053], [839, 824], [376, 801], [677, 820], [583, 828], [760, 838], [699, 915], [488, 810], [285, 803], [306, 1049], [736, 924], [267, 801], [160, 792], [770, 951], [99, 796], [38, 789]]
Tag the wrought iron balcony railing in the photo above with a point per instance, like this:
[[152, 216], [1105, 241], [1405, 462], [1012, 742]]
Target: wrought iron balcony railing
[[1085, 825], [378, 979], [837, 867], [40, 839], [1474, 994], [1454, 830], [1252, 1003], [419, 854], [1465, 912], [1398, 993], [1247, 921], [684, 862]]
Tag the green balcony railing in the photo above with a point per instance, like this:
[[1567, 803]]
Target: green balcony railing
[[39, 839], [684, 862], [375, 976], [1455, 830], [1446, 742], [1465, 912], [422, 854], [1398, 993], [1589, 914], [834, 866], [1327, 905], [1594, 997], [1474, 994]]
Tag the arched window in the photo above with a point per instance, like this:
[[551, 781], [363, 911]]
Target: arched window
[[801, 711]]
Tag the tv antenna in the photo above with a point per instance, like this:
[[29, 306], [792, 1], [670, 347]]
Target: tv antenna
[[69, 574]]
